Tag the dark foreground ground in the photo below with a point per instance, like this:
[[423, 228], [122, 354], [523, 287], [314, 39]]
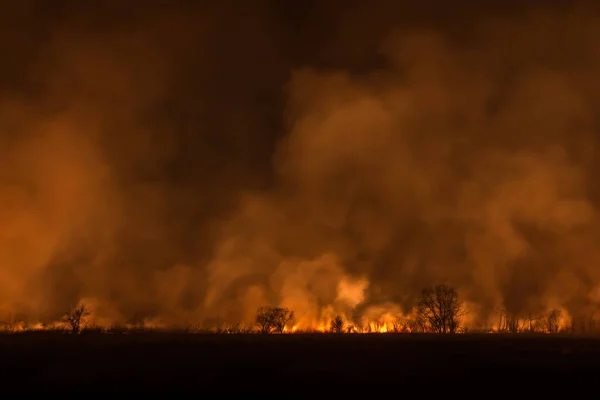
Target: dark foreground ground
[[286, 364]]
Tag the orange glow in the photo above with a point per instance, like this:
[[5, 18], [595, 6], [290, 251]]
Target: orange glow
[[400, 325], [165, 187]]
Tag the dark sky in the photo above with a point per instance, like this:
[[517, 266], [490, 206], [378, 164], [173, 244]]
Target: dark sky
[[177, 125]]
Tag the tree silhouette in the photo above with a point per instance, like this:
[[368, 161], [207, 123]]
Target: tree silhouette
[[441, 308], [281, 317], [264, 319], [269, 319], [75, 318], [337, 324]]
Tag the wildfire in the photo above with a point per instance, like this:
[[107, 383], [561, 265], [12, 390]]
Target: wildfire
[[369, 328], [381, 319]]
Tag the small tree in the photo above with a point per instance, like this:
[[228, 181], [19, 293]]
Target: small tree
[[337, 324], [75, 318], [281, 317], [441, 308], [264, 319], [273, 318]]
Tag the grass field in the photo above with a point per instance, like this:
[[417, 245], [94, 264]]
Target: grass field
[[289, 363]]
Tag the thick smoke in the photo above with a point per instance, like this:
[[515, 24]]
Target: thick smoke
[[144, 169], [462, 163]]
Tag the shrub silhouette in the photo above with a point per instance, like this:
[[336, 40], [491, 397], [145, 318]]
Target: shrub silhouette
[[75, 318], [337, 324]]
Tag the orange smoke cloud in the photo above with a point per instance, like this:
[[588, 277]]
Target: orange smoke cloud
[[135, 179]]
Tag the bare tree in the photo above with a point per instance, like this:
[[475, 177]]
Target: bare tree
[[273, 318], [337, 324], [75, 318], [281, 317], [552, 321], [441, 308], [264, 319]]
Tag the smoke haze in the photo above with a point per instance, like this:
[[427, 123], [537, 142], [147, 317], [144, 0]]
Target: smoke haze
[[190, 163]]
